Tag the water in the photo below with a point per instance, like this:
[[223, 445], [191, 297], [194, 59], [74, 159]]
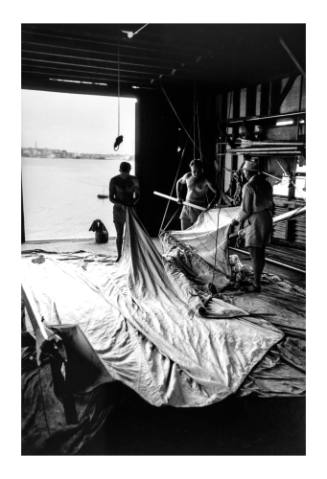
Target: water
[[60, 196]]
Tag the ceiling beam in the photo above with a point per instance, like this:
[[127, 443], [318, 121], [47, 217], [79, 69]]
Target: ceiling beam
[[82, 77], [92, 58], [121, 43], [165, 60], [37, 83], [86, 65], [53, 70]]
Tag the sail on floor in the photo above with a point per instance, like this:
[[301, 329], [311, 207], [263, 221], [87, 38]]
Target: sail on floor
[[202, 249], [150, 324]]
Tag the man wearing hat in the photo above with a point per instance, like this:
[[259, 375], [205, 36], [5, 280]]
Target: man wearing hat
[[256, 217]]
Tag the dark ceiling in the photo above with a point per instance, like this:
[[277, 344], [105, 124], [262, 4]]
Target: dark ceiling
[[84, 57]]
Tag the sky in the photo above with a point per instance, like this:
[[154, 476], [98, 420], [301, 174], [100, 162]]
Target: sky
[[77, 123]]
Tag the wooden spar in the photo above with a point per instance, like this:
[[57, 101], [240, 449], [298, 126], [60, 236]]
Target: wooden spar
[[249, 144], [172, 198], [244, 151], [289, 214], [264, 148], [276, 219], [284, 216], [272, 176], [254, 152], [272, 261]]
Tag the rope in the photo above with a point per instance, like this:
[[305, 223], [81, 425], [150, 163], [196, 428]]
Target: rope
[[140, 29], [118, 61], [199, 132], [173, 186], [178, 118], [194, 93], [215, 263], [171, 219], [120, 137]]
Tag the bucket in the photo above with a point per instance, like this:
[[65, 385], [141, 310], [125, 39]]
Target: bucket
[[101, 237]]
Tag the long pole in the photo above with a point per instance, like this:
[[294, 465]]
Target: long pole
[[276, 219], [172, 198], [284, 216], [289, 214]]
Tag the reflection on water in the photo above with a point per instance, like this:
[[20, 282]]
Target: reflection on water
[[60, 196]]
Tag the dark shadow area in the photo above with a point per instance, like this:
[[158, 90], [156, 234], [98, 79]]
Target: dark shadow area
[[235, 426]]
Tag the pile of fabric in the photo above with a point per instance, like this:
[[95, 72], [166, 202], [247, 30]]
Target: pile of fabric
[[151, 320], [201, 253], [64, 401]]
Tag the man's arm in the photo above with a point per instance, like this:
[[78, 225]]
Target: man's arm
[[137, 192], [246, 206], [227, 200], [112, 192], [179, 188], [211, 188]]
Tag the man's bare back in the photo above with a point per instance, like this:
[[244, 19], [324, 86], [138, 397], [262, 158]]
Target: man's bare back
[[124, 190]]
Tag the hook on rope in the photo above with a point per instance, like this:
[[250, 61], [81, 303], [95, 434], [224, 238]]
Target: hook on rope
[[118, 141], [120, 137]]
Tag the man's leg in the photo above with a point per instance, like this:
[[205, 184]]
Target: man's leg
[[119, 217], [261, 260], [119, 225], [189, 217], [257, 265]]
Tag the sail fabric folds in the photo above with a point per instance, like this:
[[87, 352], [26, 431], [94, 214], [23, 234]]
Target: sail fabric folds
[[147, 322], [202, 249]]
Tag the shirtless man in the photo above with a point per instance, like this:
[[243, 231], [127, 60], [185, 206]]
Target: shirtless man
[[197, 188], [124, 191]]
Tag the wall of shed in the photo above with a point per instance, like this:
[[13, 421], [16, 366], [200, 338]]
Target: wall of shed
[[238, 107], [159, 136]]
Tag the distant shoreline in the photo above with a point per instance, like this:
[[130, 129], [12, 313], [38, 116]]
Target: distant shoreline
[[83, 157], [36, 152]]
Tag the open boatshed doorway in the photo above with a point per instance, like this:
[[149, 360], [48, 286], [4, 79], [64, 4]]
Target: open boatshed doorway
[[68, 158]]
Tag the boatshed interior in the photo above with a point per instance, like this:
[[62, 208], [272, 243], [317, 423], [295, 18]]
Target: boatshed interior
[[222, 93]]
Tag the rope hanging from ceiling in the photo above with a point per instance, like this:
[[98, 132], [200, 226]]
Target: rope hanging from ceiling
[[171, 191], [178, 118], [120, 137], [196, 126], [196, 123]]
